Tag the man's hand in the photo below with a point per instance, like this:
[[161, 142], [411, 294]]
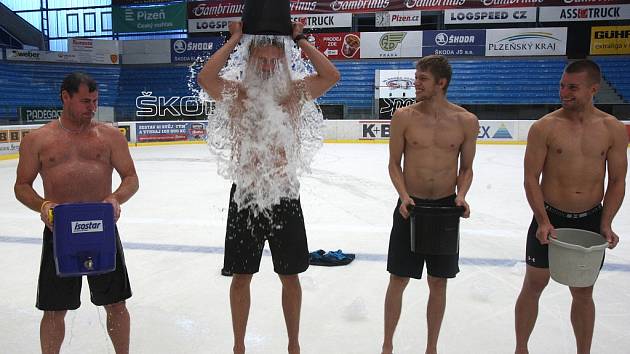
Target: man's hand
[[544, 232], [298, 27], [45, 212], [406, 206], [462, 203], [610, 236], [115, 204], [236, 29]]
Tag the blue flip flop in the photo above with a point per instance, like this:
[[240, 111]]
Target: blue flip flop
[[332, 258]]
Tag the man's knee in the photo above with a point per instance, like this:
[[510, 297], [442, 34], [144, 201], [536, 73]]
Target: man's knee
[[117, 308], [582, 295], [398, 282], [241, 281], [290, 281], [436, 285], [536, 279]]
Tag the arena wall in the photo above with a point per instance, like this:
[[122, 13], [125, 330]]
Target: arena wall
[[335, 131]]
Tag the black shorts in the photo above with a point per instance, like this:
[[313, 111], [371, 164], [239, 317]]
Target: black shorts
[[536, 254], [55, 293], [404, 263], [245, 237]]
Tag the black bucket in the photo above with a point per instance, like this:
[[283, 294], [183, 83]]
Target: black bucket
[[267, 17], [435, 229]]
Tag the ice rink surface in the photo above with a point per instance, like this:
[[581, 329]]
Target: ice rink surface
[[173, 234]]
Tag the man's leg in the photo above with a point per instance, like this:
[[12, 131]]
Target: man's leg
[[291, 305], [118, 326], [526, 310], [435, 311], [52, 330], [239, 303], [393, 307], [583, 318]]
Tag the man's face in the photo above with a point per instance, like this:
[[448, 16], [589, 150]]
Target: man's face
[[266, 59], [426, 85], [82, 105], [576, 90]]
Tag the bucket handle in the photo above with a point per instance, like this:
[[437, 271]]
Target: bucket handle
[[461, 209], [578, 247]]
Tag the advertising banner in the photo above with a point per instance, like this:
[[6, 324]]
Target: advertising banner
[[234, 8], [396, 83], [93, 45], [155, 107], [96, 51], [125, 129], [10, 138], [166, 131], [398, 18], [215, 9], [323, 20], [610, 40], [584, 13], [39, 114], [189, 50], [454, 42], [138, 2], [387, 107], [337, 45], [210, 24], [406, 44], [372, 129], [42, 56], [526, 41], [490, 15], [497, 130], [167, 17]]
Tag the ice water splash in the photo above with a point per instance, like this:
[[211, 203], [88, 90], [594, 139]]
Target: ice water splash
[[265, 130]]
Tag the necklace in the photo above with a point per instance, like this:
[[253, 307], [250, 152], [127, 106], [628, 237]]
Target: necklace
[[70, 130]]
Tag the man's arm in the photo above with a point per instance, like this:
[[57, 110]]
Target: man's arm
[[617, 167], [327, 74], [27, 170], [123, 164], [535, 155], [208, 77], [466, 156], [396, 149]]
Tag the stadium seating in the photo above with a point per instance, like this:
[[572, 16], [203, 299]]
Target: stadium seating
[[475, 81], [615, 72], [506, 81], [37, 85]]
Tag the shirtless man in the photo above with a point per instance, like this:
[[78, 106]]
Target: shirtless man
[[571, 148], [244, 240], [75, 158], [434, 136]]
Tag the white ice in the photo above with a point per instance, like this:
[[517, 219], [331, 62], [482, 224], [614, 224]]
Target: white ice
[[173, 233]]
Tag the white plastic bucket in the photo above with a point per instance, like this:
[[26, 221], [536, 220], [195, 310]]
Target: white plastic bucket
[[575, 257]]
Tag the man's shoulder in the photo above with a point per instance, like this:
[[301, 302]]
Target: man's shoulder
[[109, 131], [611, 121], [548, 120], [41, 132], [465, 117], [406, 112]]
